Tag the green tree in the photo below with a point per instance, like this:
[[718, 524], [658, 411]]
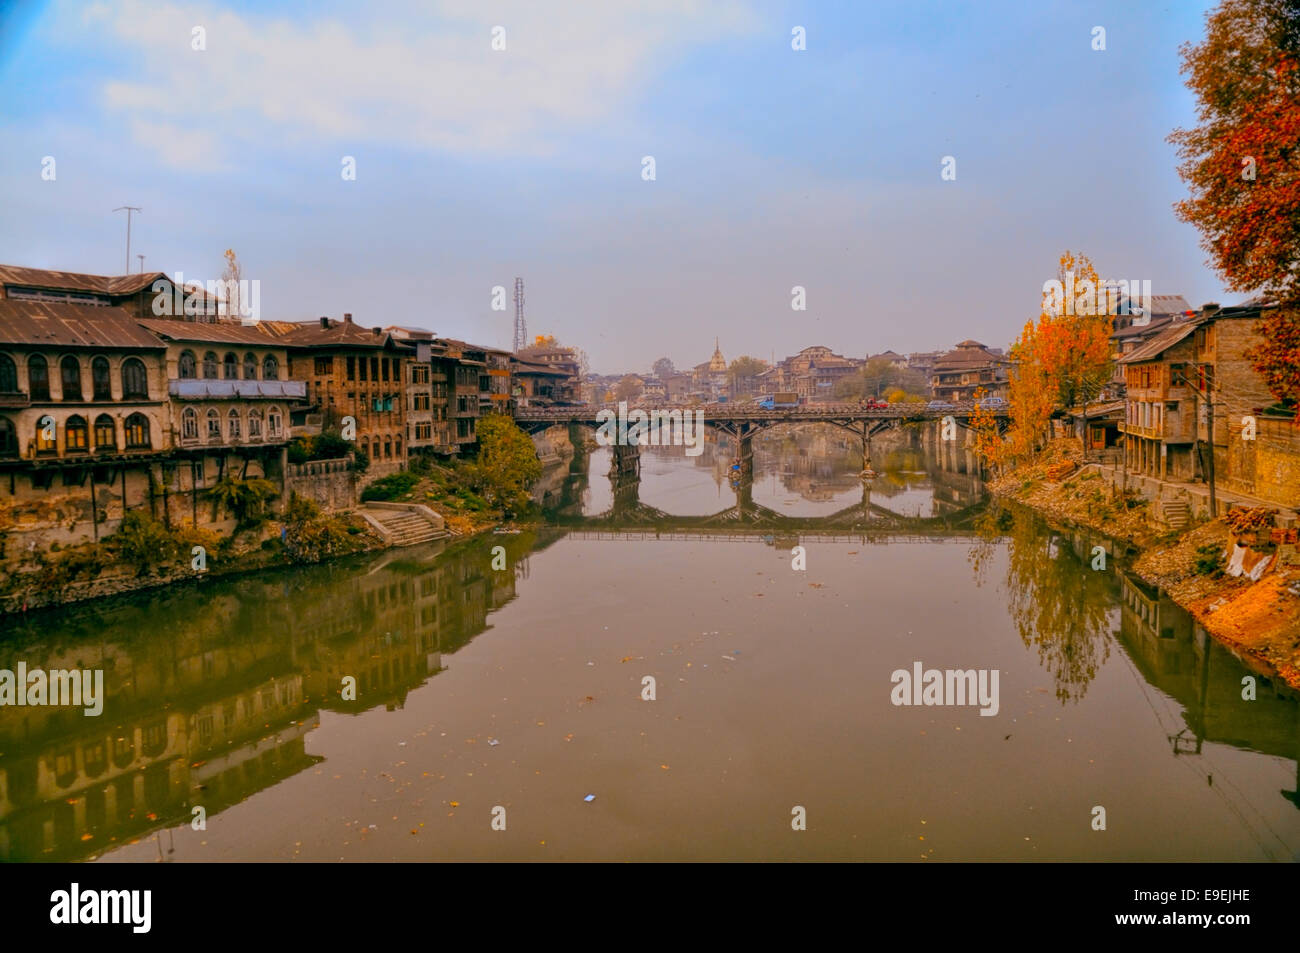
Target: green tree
[[507, 463], [742, 375], [663, 368], [245, 500]]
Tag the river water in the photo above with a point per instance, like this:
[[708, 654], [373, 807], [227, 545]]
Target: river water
[[514, 698]]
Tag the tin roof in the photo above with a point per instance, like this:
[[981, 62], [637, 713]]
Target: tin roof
[[20, 277], [58, 324], [202, 389], [223, 333], [1161, 342]]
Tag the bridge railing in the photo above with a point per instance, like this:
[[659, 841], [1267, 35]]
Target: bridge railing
[[744, 412]]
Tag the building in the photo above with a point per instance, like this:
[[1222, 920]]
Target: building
[[1160, 404], [358, 373], [895, 360], [134, 294], [565, 388], [812, 374], [538, 385], [1265, 465], [228, 409], [83, 411], [1128, 337], [969, 367], [709, 380], [498, 396]]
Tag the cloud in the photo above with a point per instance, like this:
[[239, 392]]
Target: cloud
[[402, 77]]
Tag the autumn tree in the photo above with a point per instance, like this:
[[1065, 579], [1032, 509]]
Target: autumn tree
[[743, 372], [663, 368], [628, 387], [507, 463], [1062, 360], [1241, 164]]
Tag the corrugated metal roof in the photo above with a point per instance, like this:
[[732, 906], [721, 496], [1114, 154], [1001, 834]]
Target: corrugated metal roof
[[75, 281], [224, 333], [1160, 343], [338, 334], [56, 324], [202, 389]]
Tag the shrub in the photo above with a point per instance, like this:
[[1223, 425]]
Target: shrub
[[143, 542], [1209, 560], [390, 487]]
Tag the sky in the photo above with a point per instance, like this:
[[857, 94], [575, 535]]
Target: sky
[[774, 168]]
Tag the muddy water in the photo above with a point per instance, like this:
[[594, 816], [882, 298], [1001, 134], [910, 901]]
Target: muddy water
[[512, 696]]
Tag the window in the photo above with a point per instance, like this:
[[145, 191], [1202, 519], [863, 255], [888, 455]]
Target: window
[[352, 368], [388, 449], [250, 367], [230, 369], [324, 366], [270, 368], [210, 366], [70, 372], [374, 369], [232, 426], [74, 434], [273, 422], [214, 426], [8, 438], [105, 433], [419, 373], [135, 380], [190, 424], [99, 379], [137, 432], [188, 366], [383, 367], [46, 441], [362, 362], [255, 423], [8, 375], [397, 444]]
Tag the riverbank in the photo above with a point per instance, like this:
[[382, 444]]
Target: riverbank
[[1258, 618]]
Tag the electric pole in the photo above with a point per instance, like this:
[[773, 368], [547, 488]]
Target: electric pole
[[1209, 426], [141, 257], [128, 209]]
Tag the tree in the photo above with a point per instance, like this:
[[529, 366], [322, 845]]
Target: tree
[[1242, 167], [507, 463], [1242, 162], [663, 368], [628, 387], [1062, 360], [742, 374]]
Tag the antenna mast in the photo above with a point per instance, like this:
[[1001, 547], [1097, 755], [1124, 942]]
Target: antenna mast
[[128, 209], [521, 330]]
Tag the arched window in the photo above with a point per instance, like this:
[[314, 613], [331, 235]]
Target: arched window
[[255, 423], [38, 377], [397, 444], [231, 370], [270, 368], [46, 437], [105, 433], [70, 373], [8, 438], [274, 423], [8, 375], [135, 380], [137, 432], [75, 437], [190, 424], [100, 379], [233, 426], [250, 366], [189, 366], [210, 366], [214, 426]]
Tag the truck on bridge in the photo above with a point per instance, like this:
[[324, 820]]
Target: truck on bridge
[[779, 401]]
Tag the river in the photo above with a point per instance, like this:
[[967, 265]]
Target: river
[[503, 714]]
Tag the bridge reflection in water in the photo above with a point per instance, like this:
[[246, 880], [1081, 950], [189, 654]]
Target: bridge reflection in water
[[214, 689]]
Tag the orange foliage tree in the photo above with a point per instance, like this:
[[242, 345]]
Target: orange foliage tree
[[1242, 167], [1061, 360]]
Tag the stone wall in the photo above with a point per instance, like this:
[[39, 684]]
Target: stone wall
[[330, 483]]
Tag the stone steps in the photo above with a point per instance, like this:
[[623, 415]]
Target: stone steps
[[1176, 514], [406, 527]]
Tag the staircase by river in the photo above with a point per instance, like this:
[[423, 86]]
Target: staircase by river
[[406, 527]]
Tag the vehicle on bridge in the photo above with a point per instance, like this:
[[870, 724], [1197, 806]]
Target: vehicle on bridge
[[779, 401], [873, 403], [940, 405]]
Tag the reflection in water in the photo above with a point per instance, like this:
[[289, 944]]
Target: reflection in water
[[215, 690], [1061, 606]]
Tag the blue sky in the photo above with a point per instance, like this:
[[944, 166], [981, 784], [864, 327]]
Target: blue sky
[[774, 167]]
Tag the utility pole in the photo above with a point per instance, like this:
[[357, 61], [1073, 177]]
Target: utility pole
[[141, 257], [128, 209], [1209, 426]]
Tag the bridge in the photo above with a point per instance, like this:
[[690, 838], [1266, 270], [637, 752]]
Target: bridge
[[743, 421]]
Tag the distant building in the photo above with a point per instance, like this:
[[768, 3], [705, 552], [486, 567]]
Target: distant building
[[894, 359], [812, 373], [969, 367]]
